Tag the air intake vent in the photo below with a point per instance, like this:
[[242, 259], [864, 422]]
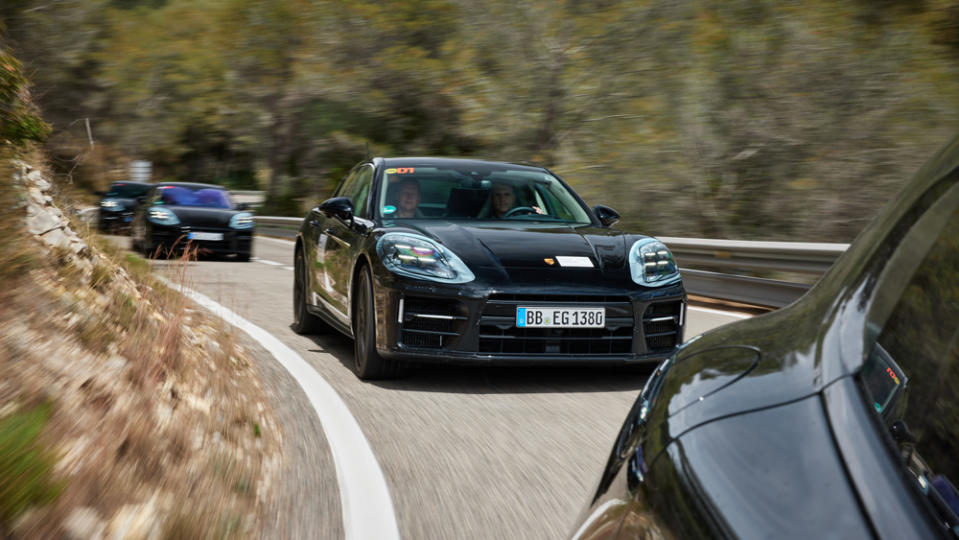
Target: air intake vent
[[431, 323], [661, 325]]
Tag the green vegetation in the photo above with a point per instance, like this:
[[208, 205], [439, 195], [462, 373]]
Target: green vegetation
[[25, 467], [721, 118], [18, 122]]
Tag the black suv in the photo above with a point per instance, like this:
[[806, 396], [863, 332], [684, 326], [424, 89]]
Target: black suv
[[118, 204]]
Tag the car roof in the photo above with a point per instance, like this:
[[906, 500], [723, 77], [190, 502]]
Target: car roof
[[426, 161], [192, 185], [129, 183]]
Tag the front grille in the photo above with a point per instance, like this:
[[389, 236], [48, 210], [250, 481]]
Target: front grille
[[661, 325], [430, 322], [499, 334]]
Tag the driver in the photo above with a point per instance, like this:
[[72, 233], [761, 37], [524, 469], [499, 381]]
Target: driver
[[503, 199]]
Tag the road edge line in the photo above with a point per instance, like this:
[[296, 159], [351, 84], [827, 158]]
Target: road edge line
[[364, 495]]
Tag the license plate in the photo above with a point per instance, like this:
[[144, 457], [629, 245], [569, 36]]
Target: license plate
[[207, 236], [560, 317]]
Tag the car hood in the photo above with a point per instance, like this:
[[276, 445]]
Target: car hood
[[535, 253], [203, 217]]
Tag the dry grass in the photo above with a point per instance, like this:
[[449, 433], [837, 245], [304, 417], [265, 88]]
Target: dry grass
[[155, 409]]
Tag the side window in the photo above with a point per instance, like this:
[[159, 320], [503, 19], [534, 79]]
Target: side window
[[911, 375], [356, 187]]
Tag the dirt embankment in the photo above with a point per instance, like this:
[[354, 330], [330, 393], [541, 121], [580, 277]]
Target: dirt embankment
[[123, 410]]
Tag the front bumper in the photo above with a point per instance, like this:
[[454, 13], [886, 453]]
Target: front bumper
[[176, 239], [119, 219], [434, 323]]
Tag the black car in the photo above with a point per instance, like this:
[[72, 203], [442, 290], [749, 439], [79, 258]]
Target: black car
[[467, 261], [176, 216], [118, 204], [835, 417]]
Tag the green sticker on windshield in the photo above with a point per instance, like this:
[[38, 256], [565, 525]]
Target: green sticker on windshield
[[389, 209]]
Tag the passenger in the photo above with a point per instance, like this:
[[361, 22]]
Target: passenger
[[408, 199]]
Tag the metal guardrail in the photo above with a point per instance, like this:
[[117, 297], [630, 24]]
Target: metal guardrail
[[278, 221], [748, 256], [735, 255]]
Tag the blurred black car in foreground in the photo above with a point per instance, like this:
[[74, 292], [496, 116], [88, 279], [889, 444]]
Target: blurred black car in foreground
[[118, 204], [835, 417], [176, 216], [466, 261]]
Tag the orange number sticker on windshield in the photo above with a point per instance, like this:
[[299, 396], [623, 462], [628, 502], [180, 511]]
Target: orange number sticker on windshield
[[401, 170]]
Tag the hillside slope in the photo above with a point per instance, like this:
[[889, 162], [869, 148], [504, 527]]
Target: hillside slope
[[123, 410]]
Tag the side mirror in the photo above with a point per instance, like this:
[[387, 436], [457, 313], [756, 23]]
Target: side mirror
[[606, 215], [341, 207], [243, 206]]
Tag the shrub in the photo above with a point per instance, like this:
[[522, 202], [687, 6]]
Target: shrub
[[18, 121], [25, 467]]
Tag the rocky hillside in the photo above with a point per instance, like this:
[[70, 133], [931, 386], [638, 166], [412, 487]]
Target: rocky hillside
[[124, 411]]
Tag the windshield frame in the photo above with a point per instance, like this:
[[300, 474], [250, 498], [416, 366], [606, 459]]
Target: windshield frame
[[486, 171], [193, 189]]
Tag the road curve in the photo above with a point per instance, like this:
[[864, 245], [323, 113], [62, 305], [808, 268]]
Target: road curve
[[466, 452]]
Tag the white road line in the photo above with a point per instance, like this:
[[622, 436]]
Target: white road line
[[271, 263], [364, 496], [277, 240], [718, 312]]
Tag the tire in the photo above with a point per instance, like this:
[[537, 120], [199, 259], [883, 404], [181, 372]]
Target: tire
[[243, 257], [304, 322], [367, 363]]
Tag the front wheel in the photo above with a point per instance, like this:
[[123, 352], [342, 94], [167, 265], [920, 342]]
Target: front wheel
[[368, 364]]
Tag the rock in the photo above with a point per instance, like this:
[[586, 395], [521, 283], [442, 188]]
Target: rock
[[38, 180], [116, 363], [211, 346], [79, 247], [84, 523], [56, 238], [41, 222], [136, 521], [37, 196]]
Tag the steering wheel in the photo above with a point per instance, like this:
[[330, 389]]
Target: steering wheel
[[519, 209]]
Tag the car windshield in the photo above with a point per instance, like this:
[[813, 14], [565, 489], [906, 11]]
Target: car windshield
[[911, 370], [477, 191], [127, 191], [206, 197]]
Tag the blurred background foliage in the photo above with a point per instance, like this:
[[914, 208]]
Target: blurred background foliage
[[747, 119]]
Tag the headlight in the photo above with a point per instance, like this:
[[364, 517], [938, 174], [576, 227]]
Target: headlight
[[162, 216], [109, 204], [651, 263], [243, 220], [419, 257]]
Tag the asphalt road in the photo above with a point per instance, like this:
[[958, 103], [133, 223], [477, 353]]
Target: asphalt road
[[466, 452]]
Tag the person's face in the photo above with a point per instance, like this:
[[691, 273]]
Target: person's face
[[503, 199], [408, 199]]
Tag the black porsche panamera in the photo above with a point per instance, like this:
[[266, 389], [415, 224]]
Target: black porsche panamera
[[835, 417], [465, 261], [179, 216]]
